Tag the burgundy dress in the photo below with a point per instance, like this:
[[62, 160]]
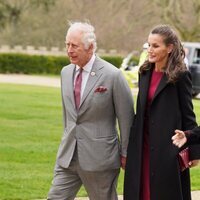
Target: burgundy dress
[[145, 178]]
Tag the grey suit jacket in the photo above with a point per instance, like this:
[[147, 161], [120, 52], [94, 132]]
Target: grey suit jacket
[[93, 128]]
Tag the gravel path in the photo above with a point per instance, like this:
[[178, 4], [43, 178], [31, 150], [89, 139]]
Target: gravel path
[[30, 80]]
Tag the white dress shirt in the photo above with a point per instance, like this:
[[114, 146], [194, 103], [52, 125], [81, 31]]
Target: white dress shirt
[[85, 73]]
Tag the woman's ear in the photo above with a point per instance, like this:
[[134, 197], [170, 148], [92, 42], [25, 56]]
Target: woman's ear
[[170, 48]]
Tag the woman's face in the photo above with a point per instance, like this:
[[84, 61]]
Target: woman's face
[[158, 52]]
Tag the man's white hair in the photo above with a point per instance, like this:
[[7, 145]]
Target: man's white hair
[[87, 29]]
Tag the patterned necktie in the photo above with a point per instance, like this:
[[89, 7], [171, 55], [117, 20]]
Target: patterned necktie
[[77, 89]]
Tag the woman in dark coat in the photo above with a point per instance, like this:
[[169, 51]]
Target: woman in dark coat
[[164, 104]]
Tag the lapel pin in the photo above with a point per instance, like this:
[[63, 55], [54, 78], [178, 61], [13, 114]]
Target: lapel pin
[[93, 73]]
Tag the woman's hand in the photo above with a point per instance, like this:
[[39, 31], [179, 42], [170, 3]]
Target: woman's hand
[[179, 139], [193, 163]]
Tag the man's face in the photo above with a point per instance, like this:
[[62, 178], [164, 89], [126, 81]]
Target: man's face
[[76, 51]]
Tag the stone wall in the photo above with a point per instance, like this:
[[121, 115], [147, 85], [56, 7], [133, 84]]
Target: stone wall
[[55, 51]]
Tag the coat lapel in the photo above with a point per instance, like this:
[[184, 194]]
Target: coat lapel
[[144, 86], [161, 86]]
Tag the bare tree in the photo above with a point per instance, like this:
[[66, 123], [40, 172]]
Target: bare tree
[[184, 16], [11, 10], [123, 25]]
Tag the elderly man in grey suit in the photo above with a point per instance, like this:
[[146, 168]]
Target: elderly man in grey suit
[[95, 96]]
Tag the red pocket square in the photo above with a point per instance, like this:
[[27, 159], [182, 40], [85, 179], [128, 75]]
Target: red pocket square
[[101, 89]]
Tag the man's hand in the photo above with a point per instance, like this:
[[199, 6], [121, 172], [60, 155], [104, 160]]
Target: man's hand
[[123, 162], [179, 138]]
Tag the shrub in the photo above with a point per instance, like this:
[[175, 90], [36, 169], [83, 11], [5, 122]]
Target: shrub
[[40, 64], [31, 64], [115, 60]]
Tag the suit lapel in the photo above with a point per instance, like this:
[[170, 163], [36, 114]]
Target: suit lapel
[[94, 75], [69, 83]]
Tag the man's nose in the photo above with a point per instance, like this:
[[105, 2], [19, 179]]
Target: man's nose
[[69, 49]]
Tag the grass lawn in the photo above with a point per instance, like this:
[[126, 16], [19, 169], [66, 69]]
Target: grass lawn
[[30, 132]]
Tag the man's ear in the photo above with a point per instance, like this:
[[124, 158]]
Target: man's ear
[[90, 49]]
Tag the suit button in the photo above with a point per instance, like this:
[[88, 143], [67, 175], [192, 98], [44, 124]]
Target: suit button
[[152, 148], [152, 174]]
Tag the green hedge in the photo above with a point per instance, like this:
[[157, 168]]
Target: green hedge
[[115, 60], [31, 64], [39, 64]]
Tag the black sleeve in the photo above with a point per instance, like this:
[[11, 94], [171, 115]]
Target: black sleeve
[[194, 136], [184, 85]]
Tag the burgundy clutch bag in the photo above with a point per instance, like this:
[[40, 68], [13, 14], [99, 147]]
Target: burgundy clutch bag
[[184, 159]]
